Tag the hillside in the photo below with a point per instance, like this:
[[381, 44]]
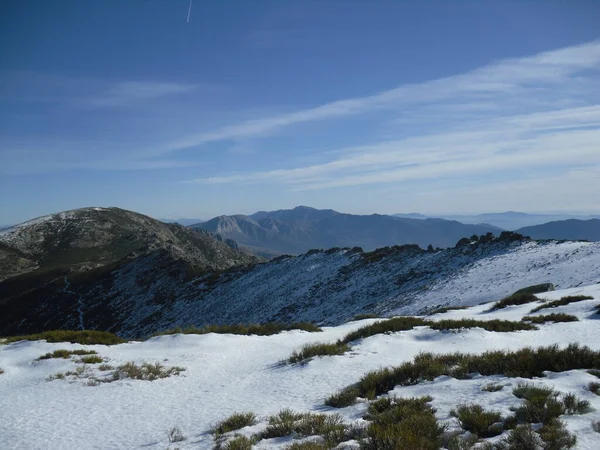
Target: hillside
[[572, 229], [221, 374], [153, 292], [302, 229], [48, 265]]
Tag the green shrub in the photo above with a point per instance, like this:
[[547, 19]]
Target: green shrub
[[556, 437], [94, 359], [308, 445], [237, 443], [66, 354], [562, 302], [384, 326], [281, 424], [489, 325], [403, 424], [525, 363], [85, 337], [309, 351], [287, 422], [594, 387], [551, 318], [146, 371], [475, 419], [105, 367], [234, 422], [265, 329], [444, 309], [544, 405], [595, 372], [491, 387], [515, 299], [521, 438]]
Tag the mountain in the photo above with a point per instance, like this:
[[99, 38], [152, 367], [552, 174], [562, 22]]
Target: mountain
[[302, 229], [58, 403], [572, 229], [153, 292], [183, 221], [510, 220], [48, 265]]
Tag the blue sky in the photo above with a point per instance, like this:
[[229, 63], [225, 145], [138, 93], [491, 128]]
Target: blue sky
[[379, 106]]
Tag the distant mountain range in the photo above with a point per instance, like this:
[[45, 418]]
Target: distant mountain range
[[301, 229], [572, 229], [509, 220]]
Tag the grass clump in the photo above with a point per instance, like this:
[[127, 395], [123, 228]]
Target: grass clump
[[384, 326], [93, 359], [309, 351], [237, 443], [515, 299], [308, 445], [492, 387], [502, 326], [402, 424], [562, 302], [146, 371], [105, 367], [66, 354], [444, 309], [234, 422], [560, 317], [595, 372], [265, 329], [84, 337], [175, 435], [478, 421], [536, 289], [525, 363], [286, 422]]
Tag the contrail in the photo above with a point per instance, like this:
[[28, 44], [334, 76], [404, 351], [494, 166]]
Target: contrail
[[189, 12]]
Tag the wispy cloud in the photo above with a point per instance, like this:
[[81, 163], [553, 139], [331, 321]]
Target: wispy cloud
[[507, 77], [131, 92]]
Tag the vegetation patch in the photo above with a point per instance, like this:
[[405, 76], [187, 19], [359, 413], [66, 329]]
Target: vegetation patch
[[330, 426], [175, 435], [489, 325], [402, 424], [93, 359], [237, 443], [392, 325], [562, 302], [514, 300], [66, 354], [445, 309], [478, 421], [536, 289], [525, 363], [265, 329], [309, 351], [364, 316], [554, 317], [594, 387], [234, 422], [146, 371], [105, 367], [309, 445], [84, 337], [492, 387]]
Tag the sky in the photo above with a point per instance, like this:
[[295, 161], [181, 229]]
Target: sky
[[433, 107]]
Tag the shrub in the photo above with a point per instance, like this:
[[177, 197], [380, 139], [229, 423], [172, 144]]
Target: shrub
[[594, 387], [56, 376], [444, 309], [521, 438], [543, 405], [309, 351], [556, 437], [287, 422], [105, 367], [551, 318], [489, 325], [265, 329], [562, 302], [475, 419], [84, 337], [403, 424], [515, 299], [308, 445], [66, 354], [234, 422], [596, 426], [491, 387], [146, 371], [386, 405], [94, 359], [536, 289], [175, 435], [595, 372], [525, 363], [237, 443], [384, 326]]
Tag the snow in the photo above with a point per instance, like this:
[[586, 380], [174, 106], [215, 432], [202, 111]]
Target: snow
[[226, 374]]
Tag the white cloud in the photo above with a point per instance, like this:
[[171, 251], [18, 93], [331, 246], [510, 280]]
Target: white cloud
[[129, 92]]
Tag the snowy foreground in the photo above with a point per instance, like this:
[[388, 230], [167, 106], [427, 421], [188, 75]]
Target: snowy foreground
[[226, 374]]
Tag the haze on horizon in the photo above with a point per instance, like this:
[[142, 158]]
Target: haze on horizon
[[362, 107]]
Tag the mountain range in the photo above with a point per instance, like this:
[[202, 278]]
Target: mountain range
[[301, 229]]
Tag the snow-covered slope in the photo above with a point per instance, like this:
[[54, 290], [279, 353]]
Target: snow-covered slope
[[224, 374]]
